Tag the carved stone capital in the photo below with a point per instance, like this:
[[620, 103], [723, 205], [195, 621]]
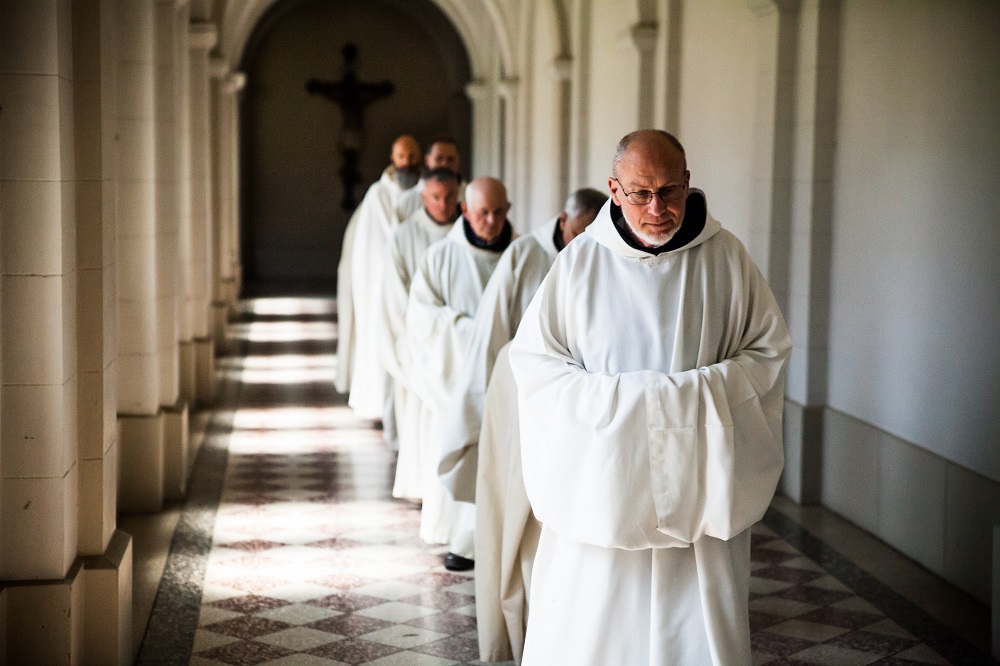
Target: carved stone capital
[[476, 90], [561, 68], [202, 36], [234, 83], [644, 36]]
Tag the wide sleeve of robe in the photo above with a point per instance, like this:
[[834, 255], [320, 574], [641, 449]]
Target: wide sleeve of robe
[[393, 348], [514, 281], [658, 457], [506, 530], [437, 333]]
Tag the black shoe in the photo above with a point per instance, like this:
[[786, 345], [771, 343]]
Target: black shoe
[[453, 562]]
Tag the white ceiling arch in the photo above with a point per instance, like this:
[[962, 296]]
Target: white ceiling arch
[[483, 26]]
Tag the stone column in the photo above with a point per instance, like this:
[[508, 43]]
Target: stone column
[[106, 553], [202, 38], [561, 70], [234, 86], [644, 36], [484, 147], [38, 307], [227, 179], [806, 39], [219, 162], [579, 148], [173, 409], [668, 70], [185, 287], [508, 130], [43, 597], [140, 425]]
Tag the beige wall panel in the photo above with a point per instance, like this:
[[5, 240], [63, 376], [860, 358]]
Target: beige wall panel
[[718, 107], [544, 198], [614, 85], [915, 276]]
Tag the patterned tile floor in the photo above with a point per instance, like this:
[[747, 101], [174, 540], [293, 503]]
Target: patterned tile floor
[[290, 549]]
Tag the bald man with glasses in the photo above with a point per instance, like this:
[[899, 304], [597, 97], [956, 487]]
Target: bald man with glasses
[[650, 379]]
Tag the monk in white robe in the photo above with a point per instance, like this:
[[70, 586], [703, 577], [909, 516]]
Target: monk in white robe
[[444, 298], [485, 468], [650, 375], [429, 224], [370, 394], [345, 311], [506, 529], [443, 153], [520, 270]]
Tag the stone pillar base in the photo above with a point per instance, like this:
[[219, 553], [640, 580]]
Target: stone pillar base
[[188, 372], [204, 353], [45, 620], [220, 317], [176, 450], [107, 624], [229, 292], [140, 476]]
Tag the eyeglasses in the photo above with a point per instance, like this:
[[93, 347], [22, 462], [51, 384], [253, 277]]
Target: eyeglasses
[[644, 197]]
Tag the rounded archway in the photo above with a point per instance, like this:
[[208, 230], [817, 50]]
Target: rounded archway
[[293, 142]]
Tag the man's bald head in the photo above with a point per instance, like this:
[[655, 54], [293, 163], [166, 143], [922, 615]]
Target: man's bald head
[[405, 152], [645, 141], [650, 184], [485, 207]]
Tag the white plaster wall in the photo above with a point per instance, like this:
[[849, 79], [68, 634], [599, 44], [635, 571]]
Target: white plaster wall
[[718, 106], [542, 175], [614, 84], [914, 318]]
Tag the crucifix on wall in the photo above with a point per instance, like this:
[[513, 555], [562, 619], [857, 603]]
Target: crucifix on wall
[[352, 96]]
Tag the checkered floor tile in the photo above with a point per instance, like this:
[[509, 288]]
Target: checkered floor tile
[[313, 562]]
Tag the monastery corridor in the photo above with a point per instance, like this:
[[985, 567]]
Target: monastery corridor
[[291, 550]]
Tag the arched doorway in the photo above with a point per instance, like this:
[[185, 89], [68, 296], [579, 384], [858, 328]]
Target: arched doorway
[[291, 191]]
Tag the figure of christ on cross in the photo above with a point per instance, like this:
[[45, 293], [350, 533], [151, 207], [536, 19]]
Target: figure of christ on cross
[[351, 95]]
